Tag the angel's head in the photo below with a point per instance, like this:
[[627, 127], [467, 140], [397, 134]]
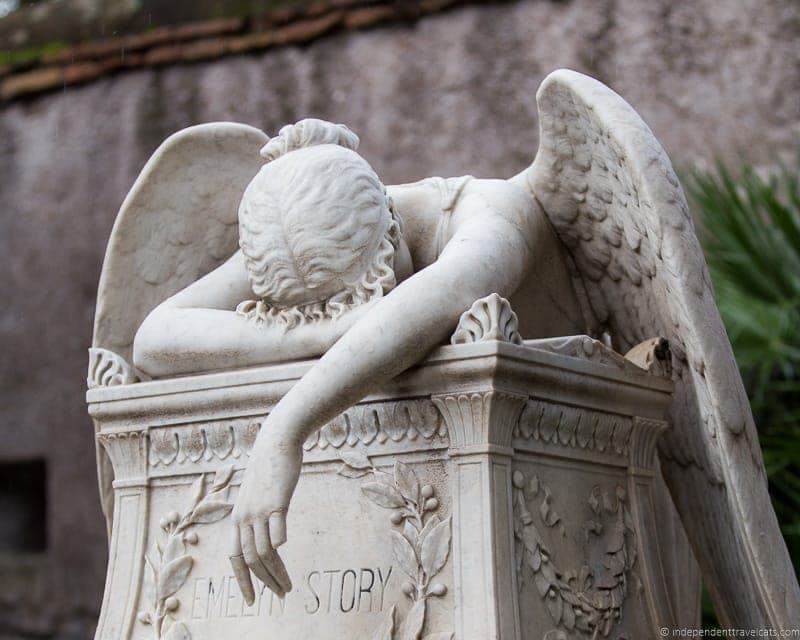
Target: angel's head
[[316, 228]]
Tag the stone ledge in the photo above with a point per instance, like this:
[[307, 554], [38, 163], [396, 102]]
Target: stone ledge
[[208, 40], [452, 369]]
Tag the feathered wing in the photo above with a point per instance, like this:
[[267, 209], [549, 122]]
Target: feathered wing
[[178, 222], [611, 194]]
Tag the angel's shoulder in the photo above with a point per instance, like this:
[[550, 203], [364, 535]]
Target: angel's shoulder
[[495, 198]]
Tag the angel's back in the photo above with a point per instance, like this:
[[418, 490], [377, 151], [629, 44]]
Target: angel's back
[[433, 209]]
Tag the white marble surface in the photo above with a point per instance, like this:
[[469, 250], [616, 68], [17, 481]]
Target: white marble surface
[[473, 439], [594, 236]]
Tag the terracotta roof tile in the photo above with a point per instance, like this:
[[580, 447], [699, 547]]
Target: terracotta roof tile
[[205, 40]]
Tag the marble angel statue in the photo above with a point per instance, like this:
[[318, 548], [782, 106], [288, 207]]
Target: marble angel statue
[[594, 237]]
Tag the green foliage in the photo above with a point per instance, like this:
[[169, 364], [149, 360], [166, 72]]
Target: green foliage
[[750, 227], [30, 54]]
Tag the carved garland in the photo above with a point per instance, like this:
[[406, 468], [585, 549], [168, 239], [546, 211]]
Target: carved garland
[[420, 545], [578, 601], [168, 564]]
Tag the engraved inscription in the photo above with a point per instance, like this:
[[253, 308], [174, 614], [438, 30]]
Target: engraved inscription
[[328, 591], [221, 598], [346, 591]]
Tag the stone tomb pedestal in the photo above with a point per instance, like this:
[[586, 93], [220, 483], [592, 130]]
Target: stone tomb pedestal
[[494, 491]]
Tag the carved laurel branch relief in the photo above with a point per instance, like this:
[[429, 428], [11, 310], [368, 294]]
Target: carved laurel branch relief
[[583, 603], [168, 563], [420, 543], [378, 422]]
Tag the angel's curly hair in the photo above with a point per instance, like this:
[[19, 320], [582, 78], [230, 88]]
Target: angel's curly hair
[[316, 228]]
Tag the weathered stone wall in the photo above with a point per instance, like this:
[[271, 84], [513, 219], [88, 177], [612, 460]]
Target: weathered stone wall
[[450, 94]]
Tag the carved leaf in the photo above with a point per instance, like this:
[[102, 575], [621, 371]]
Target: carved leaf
[[542, 584], [197, 490], [524, 514], [216, 496], [410, 533], [556, 607], [547, 512], [533, 486], [531, 539], [535, 560], [222, 478], [386, 629], [178, 631], [356, 460], [172, 577], [585, 578], [594, 501], [349, 472], [151, 577], [407, 481], [383, 495], [405, 555], [209, 511], [519, 556], [615, 565], [174, 549], [435, 548], [412, 626], [429, 525], [548, 571]]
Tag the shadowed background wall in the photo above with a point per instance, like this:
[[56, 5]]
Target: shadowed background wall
[[449, 93]]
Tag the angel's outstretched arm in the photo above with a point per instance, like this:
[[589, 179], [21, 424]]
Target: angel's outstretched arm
[[197, 329], [487, 254]]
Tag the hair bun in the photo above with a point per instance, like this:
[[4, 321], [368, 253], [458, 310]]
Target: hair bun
[[308, 133]]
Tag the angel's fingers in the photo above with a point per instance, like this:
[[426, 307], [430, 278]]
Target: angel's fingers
[[269, 558], [240, 570], [253, 560], [277, 528]]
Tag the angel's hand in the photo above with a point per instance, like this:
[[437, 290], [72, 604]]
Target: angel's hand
[[260, 516]]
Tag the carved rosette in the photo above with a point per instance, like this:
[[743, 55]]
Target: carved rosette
[[480, 418], [489, 318]]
